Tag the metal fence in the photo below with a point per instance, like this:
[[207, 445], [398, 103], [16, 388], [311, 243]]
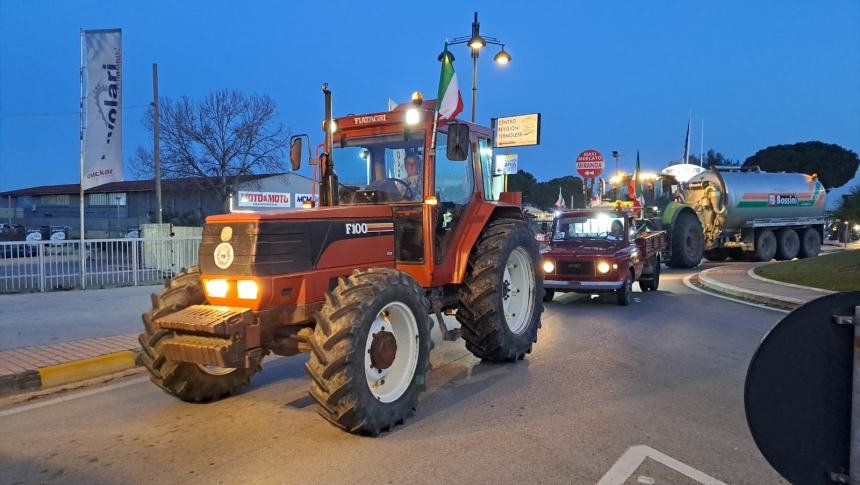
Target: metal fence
[[56, 265]]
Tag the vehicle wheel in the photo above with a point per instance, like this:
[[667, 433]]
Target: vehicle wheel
[[653, 283], [370, 351], [717, 255], [548, 295], [687, 242], [810, 243], [765, 245], [624, 295], [787, 244], [499, 306], [189, 382]]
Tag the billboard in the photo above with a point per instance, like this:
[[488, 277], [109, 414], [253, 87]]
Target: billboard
[[517, 131]]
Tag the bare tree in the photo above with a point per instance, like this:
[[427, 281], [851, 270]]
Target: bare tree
[[214, 141]]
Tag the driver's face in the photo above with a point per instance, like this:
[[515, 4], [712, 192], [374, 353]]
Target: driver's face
[[411, 166]]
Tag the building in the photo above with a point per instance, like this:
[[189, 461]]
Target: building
[[112, 209]]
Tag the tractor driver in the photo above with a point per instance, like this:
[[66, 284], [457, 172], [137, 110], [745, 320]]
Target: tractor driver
[[413, 175]]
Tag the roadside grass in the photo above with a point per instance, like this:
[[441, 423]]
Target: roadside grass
[[837, 271]]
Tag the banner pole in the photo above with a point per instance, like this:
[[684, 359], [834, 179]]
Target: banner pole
[[81, 104]]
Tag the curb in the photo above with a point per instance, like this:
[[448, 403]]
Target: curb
[[751, 295], [751, 273], [68, 372]]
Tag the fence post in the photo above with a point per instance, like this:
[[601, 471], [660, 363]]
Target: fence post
[[42, 267], [134, 267]]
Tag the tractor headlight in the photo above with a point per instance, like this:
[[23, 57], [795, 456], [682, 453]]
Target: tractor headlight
[[548, 266], [413, 117], [247, 289], [216, 288], [603, 267]]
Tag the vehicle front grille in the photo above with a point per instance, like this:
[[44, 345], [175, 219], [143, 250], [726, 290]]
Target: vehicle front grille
[[583, 268]]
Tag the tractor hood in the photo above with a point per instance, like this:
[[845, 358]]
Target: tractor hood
[[289, 242]]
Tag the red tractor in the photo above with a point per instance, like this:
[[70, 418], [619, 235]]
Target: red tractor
[[411, 223]]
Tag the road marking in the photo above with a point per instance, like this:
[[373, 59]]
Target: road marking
[[71, 397], [630, 461], [715, 295]]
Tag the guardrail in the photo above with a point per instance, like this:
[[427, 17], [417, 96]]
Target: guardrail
[[30, 266]]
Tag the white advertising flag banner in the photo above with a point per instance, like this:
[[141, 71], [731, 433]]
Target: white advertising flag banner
[[103, 133]]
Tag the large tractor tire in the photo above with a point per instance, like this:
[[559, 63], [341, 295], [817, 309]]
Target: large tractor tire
[[370, 351], [651, 281], [687, 242], [787, 244], [765, 246], [500, 299], [810, 243], [186, 381]]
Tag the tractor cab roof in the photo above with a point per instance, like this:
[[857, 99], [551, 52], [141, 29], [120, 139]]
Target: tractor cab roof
[[379, 122]]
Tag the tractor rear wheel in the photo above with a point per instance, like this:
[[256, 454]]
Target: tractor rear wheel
[[370, 351], [687, 242], [500, 298], [186, 381]]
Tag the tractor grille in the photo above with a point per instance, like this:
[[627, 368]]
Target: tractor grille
[[580, 268], [264, 249]]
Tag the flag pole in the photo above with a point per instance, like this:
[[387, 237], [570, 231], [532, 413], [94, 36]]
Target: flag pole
[[81, 104]]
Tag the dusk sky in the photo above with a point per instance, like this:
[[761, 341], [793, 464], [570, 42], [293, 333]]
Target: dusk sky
[[607, 75]]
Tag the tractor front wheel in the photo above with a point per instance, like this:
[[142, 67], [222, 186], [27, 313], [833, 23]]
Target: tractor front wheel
[[370, 351], [186, 381], [500, 299]]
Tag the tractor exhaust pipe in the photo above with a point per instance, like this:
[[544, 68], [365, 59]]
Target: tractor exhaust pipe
[[328, 181]]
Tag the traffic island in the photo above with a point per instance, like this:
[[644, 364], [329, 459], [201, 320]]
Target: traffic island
[[835, 272], [735, 281], [35, 368]]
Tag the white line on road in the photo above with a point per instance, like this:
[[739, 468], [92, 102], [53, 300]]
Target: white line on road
[[696, 288], [71, 397], [630, 461]]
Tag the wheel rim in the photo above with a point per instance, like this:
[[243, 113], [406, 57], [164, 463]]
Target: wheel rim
[[214, 370], [391, 352], [518, 290]]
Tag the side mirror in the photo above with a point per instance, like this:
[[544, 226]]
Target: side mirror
[[296, 152], [458, 142]]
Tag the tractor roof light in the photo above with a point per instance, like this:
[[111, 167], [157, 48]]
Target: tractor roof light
[[413, 116], [417, 98]]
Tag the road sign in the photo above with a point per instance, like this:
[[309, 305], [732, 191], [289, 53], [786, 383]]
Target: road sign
[[505, 164], [589, 164], [798, 391], [517, 131]]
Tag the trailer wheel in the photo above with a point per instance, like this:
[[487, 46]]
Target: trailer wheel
[[624, 295], [810, 243], [370, 351], [765, 245], [653, 282], [548, 295], [687, 241], [186, 381], [500, 307], [787, 244]]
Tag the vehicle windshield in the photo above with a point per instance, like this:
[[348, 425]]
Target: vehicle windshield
[[597, 226], [380, 169]]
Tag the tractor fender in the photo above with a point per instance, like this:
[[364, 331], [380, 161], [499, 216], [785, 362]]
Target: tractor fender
[[484, 213]]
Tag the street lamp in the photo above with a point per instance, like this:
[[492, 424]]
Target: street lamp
[[616, 155], [476, 42]]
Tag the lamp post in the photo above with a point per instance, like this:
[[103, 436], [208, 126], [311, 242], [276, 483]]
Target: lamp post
[[476, 42]]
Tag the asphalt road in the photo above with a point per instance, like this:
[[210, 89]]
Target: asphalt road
[[659, 382]]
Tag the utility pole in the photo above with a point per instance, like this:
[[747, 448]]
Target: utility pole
[[155, 141]]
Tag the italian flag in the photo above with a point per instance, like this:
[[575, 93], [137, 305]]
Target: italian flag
[[449, 103]]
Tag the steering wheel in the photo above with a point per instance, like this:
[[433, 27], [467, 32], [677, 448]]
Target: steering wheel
[[408, 193]]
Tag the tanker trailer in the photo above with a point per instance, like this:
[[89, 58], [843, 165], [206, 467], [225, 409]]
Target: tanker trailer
[[744, 213]]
